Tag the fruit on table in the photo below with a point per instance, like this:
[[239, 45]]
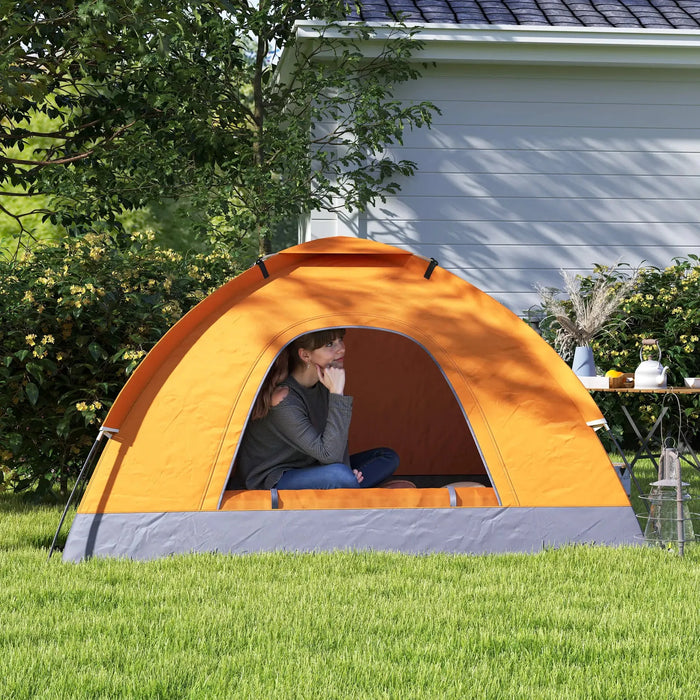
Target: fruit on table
[[613, 373]]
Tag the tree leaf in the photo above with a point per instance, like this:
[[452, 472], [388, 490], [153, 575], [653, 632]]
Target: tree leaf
[[95, 351], [32, 392]]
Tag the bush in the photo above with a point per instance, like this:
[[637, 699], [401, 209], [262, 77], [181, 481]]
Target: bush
[[75, 320], [663, 304]]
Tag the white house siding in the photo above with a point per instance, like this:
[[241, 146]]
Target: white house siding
[[531, 169]]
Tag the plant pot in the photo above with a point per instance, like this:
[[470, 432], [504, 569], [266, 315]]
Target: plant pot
[[583, 364]]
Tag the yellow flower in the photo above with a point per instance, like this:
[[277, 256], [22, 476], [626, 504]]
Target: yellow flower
[[47, 340], [31, 339], [96, 253]]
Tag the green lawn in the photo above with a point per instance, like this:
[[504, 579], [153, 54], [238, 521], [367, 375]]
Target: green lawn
[[579, 622]]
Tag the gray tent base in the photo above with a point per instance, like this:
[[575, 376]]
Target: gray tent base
[[416, 531]]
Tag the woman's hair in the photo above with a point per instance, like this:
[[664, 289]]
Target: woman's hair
[[312, 341], [277, 373]]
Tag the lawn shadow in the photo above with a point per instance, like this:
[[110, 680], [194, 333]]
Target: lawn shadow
[[28, 524]]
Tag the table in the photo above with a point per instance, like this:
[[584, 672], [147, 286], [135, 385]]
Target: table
[[645, 442]]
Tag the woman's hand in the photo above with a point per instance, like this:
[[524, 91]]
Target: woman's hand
[[358, 475], [333, 378]]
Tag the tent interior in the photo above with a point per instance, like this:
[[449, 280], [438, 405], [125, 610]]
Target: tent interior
[[402, 400]]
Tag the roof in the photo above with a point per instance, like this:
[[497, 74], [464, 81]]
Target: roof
[[627, 14]]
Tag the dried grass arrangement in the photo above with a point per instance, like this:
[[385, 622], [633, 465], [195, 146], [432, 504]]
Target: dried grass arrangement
[[588, 307]]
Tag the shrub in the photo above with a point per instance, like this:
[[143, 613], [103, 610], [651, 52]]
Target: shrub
[[662, 304], [75, 320]]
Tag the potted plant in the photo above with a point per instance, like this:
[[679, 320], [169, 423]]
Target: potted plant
[[586, 311]]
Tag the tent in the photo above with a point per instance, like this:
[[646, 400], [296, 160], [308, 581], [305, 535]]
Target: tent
[[493, 428]]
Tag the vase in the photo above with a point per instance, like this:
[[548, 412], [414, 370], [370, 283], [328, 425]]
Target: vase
[[583, 364]]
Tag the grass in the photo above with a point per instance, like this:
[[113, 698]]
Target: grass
[[579, 622]]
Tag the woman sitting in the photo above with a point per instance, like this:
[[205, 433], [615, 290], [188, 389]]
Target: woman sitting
[[301, 439]]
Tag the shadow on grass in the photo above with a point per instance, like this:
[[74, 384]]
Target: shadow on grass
[[28, 524]]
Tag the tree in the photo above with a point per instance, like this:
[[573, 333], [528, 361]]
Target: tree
[[162, 99]]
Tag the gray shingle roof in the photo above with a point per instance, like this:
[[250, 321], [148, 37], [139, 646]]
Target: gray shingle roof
[[632, 14]]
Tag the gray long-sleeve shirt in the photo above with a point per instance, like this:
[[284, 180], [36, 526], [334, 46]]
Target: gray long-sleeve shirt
[[307, 428]]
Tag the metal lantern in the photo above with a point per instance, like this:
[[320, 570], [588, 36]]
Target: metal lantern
[[669, 519]]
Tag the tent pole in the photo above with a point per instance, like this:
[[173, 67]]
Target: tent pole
[[103, 431]]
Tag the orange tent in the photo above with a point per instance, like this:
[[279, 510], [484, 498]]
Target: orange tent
[[459, 386]]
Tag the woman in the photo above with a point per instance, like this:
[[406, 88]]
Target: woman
[[302, 440]]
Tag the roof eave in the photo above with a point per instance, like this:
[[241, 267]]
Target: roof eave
[[465, 43]]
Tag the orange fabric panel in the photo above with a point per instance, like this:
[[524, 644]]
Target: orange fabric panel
[[181, 414], [184, 333], [344, 499], [344, 245]]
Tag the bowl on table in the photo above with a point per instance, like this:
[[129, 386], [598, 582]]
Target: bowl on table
[[692, 382]]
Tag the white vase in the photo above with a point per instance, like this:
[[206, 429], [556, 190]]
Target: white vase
[[583, 364]]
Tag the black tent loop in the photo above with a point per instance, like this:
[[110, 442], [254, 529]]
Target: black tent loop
[[261, 264], [431, 266]]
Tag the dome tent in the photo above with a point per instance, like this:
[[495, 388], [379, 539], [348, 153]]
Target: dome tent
[[459, 386]]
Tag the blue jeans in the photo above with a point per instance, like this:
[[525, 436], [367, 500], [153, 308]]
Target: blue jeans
[[376, 466]]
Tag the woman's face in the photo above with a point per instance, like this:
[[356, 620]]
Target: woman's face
[[329, 355]]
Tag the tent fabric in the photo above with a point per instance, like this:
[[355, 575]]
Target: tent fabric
[[439, 371], [350, 498], [413, 531]]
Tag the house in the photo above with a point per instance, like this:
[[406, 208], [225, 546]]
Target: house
[[569, 136]]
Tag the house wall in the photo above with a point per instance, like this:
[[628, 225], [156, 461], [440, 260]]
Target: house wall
[[531, 169]]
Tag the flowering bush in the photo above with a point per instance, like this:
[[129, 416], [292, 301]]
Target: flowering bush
[[75, 320], [662, 304]]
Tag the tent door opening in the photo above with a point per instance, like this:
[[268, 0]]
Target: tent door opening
[[402, 400]]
